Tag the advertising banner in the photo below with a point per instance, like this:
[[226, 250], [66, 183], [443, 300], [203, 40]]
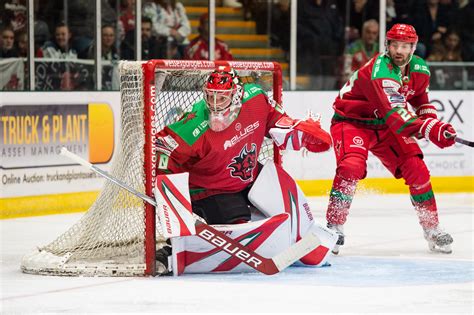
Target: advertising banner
[[35, 126]]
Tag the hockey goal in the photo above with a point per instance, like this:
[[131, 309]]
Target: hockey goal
[[118, 235]]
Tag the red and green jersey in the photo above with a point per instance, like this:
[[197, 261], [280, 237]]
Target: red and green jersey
[[376, 95], [218, 162]]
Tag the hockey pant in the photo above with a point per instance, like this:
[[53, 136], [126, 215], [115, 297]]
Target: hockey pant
[[400, 155]]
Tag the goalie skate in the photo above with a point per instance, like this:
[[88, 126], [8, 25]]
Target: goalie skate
[[438, 240], [339, 228], [163, 263]]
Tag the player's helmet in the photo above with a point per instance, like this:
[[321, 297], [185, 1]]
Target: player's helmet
[[402, 33], [223, 93]]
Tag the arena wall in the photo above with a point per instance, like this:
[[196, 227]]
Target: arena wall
[[35, 180]]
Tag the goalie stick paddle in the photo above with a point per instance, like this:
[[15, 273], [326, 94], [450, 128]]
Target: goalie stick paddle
[[268, 266]]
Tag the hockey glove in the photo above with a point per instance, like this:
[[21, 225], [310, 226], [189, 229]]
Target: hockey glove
[[296, 134], [440, 133], [427, 111]]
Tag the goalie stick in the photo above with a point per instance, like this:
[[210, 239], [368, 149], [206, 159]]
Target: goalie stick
[[268, 266]]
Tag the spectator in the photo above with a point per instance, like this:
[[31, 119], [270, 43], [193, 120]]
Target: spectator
[[430, 19], [366, 47], [109, 51], [22, 44], [320, 42], [8, 49], [42, 35], [80, 17], [359, 12], [170, 20], [152, 47], [127, 15], [463, 21], [198, 49], [281, 23], [447, 50], [397, 11], [61, 47]]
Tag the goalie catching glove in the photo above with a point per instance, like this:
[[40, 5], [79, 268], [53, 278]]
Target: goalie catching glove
[[292, 134]]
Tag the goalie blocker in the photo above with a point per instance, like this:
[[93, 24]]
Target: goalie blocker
[[283, 218]]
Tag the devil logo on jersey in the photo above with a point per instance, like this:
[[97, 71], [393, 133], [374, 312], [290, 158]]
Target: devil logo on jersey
[[244, 164]]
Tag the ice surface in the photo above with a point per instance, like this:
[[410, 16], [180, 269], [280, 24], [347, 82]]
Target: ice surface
[[384, 267]]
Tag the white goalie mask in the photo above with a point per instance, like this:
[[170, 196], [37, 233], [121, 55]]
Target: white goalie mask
[[223, 95]]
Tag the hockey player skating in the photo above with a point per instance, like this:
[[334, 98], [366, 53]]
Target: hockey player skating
[[371, 115], [218, 144]]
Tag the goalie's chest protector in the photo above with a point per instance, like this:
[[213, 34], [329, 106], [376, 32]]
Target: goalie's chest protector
[[226, 161]]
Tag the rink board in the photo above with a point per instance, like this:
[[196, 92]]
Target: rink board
[[36, 181]]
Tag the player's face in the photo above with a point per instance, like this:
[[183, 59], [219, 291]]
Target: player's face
[[218, 100], [400, 52]]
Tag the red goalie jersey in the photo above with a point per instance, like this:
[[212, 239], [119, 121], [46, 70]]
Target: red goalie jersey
[[218, 162], [377, 95]]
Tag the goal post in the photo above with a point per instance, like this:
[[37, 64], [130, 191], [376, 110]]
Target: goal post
[[118, 235]]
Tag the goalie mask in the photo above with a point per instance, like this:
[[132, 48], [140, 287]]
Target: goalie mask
[[400, 43], [223, 94]]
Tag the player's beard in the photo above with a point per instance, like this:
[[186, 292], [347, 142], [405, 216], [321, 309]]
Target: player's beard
[[399, 61]]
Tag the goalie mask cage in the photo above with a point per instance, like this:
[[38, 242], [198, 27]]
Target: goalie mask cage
[[118, 235]]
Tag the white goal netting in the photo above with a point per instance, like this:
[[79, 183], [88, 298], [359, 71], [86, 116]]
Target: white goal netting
[[109, 240]]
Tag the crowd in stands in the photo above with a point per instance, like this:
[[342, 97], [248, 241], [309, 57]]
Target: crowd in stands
[[334, 37]]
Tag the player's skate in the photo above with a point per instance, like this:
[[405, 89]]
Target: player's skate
[[339, 228], [438, 240]]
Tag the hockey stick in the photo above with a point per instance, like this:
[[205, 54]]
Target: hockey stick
[[268, 266], [464, 141], [459, 140]]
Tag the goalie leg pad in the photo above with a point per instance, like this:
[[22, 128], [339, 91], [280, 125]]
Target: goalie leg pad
[[268, 237], [173, 206], [319, 256], [289, 198]]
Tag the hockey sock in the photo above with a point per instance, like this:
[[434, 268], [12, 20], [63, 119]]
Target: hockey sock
[[423, 199], [340, 200]]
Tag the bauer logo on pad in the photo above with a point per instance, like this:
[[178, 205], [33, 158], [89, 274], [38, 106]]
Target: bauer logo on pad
[[173, 205]]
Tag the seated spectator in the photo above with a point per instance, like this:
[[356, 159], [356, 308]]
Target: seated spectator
[[430, 19], [127, 15], [152, 47], [449, 49], [170, 20], [363, 49], [8, 49], [198, 49], [109, 51], [462, 20], [42, 35], [22, 44], [61, 47]]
